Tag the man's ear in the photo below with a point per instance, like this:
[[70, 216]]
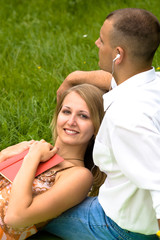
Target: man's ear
[[120, 54]]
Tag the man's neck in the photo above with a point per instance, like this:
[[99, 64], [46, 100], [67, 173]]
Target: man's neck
[[123, 76]]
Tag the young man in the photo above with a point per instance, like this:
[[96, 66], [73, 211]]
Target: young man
[[127, 145]]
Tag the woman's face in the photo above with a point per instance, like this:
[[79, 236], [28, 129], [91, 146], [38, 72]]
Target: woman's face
[[74, 125]]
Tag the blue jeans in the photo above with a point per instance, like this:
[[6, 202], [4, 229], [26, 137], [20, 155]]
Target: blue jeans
[[87, 221]]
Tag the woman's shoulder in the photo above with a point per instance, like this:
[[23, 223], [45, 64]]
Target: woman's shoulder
[[77, 173]]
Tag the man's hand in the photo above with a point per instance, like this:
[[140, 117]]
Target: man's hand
[[71, 80]]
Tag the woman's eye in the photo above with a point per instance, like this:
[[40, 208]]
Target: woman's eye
[[84, 116], [65, 111]]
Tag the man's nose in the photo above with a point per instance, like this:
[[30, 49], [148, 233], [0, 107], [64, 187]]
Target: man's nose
[[97, 42]]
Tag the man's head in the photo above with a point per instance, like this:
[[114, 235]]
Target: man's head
[[132, 33]]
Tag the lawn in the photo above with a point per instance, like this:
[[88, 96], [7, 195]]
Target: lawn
[[41, 42]]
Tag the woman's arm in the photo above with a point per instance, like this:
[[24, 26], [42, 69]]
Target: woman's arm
[[99, 78], [70, 188], [15, 149], [21, 194]]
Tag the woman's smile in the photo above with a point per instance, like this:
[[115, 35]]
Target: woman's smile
[[70, 131]]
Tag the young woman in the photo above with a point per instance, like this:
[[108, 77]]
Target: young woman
[[29, 203]]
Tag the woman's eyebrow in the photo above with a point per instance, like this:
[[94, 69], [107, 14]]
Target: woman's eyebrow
[[65, 106], [83, 111]]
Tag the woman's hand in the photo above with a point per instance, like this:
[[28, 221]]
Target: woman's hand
[[43, 150], [15, 149]]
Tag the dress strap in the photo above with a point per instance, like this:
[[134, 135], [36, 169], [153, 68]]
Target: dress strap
[[50, 174], [63, 169]]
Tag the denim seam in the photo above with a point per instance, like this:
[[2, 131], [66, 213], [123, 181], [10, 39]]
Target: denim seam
[[119, 232]]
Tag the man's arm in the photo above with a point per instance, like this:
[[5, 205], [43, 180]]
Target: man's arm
[[99, 78]]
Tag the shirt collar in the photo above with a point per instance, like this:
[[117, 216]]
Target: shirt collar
[[135, 81]]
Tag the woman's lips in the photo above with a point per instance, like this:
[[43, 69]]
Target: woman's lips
[[70, 131]]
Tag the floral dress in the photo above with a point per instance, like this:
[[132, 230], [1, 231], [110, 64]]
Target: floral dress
[[41, 184]]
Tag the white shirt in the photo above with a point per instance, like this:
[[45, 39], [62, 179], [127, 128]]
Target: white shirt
[[127, 149]]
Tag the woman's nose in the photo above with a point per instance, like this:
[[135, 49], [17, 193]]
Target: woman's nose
[[72, 120]]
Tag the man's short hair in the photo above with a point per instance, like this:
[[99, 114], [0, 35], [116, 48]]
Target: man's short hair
[[136, 30]]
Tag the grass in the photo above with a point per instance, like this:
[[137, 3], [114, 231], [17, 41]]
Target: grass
[[41, 42]]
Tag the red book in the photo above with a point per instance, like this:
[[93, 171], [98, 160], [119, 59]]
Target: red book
[[10, 167]]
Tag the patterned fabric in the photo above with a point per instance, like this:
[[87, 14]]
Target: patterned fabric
[[41, 183]]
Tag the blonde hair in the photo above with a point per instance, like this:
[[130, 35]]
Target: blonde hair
[[93, 98]]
